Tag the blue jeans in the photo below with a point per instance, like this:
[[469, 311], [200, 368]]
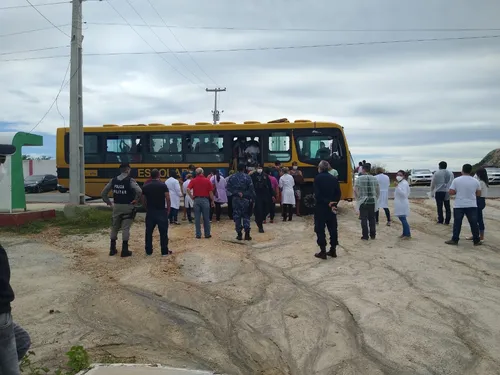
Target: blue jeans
[[174, 212], [157, 218], [202, 207], [14, 343], [458, 217], [481, 204], [406, 226]]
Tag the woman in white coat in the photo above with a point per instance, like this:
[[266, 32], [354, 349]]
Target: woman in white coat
[[286, 185], [174, 188], [188, 201], [401, 202], [383, 200]]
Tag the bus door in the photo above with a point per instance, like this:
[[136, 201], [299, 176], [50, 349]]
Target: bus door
[[247, 148]]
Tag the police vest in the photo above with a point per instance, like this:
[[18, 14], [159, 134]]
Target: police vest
[[122, 191]]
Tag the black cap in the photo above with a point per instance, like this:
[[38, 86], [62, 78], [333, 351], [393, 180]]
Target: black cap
[[124, 165], [7, 149]]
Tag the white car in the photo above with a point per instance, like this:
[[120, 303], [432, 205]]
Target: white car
[[420, 177], [493, 175]]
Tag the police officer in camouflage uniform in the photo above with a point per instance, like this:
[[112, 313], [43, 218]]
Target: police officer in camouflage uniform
[[241, 188], [126, 193]]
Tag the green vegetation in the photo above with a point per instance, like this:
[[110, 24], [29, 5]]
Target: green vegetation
[[84, 221], [492, 159], [78, 360]]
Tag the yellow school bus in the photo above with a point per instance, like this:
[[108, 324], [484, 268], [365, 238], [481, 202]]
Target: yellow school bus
[[172, 148]]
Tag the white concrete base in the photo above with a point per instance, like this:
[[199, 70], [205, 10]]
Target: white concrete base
[[129, 369]]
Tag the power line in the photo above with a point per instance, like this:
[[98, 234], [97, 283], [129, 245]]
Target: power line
[[238, 28], [63, 85], [49, 21], [269, 48], [32, 30], [150, 46], [32, 50], [178, 41], [38, 5], [161, 40]]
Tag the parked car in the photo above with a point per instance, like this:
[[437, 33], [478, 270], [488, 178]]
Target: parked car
[[40, 183], [493, 175], [420, 177]]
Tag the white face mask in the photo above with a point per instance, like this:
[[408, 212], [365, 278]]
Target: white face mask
[[399, 178], [295, 167], [259, 170]]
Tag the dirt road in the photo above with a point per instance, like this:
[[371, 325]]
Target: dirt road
[[269, 307]]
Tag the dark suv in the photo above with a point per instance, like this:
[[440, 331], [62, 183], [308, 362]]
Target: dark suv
[[40, 183]]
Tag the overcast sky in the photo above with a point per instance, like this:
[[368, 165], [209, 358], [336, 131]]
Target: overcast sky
[[403, 105]]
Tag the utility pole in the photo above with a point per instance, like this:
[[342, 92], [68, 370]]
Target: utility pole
[[215, 112], [76, 151]]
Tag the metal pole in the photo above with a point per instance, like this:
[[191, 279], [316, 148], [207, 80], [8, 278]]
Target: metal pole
[[76, 150], [215, 112]]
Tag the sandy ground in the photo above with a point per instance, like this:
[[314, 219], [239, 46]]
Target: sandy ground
[[268, 307]]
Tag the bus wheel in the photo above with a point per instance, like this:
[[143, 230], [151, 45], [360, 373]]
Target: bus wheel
[[308, 202]]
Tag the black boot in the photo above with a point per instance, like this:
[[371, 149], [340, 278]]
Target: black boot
[[322, 253], [239, 237], [125, 252], [112, 248], [247, 235], [261, 229], [332, 253]]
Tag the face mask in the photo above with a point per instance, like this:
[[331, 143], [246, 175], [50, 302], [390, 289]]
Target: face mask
[[295, 167], [399, 178], [259, 170]]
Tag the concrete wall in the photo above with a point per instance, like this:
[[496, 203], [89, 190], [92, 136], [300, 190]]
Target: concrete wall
[[36, 167]]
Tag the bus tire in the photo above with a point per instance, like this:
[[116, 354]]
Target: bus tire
[[308, 202]]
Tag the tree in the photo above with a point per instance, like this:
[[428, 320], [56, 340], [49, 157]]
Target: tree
[[43, 157]]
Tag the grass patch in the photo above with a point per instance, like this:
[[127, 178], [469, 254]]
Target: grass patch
[[84, 221]]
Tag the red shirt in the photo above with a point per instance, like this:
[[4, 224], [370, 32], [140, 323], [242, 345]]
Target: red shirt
[[201, 187]]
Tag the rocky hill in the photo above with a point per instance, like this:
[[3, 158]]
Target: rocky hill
[[492, 159]]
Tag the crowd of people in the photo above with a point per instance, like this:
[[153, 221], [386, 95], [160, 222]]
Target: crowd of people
[[247, 192], [372, 194]]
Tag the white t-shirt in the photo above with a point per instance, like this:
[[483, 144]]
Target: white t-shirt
[[466, 187]]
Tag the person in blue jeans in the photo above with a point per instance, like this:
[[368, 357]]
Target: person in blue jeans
[[466, 190], [156, 199], [200, 189], [401, 203], [482, 177], [14, 340]]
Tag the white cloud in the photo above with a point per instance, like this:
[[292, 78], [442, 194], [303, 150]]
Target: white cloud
[[413, 103]]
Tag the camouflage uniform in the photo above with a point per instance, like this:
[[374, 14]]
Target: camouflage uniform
[[241, 183]]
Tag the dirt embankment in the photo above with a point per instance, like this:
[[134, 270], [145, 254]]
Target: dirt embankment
[[269, 307]]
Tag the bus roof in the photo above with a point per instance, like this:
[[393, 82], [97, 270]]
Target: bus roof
[[206, 126]]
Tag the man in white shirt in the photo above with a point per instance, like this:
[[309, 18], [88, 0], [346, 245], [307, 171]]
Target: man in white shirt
[[465, 188]]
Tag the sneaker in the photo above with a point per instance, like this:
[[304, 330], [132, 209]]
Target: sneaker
[[364, 238], [451, 242], [388, 224], [209, 236], [478, 243]]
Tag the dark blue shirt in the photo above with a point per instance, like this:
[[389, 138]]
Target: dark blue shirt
[[326, 190], [241, 183]]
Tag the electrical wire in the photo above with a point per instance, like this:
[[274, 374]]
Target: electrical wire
[[37, 5], [270, 48], [180, 44], [149, 45], [49, 21], [161, 41], [32, 50], [236, 28], [32, 30], [63, 85]]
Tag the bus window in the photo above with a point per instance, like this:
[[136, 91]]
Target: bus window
[[313, 149], [279, 147], [91, 148], [164, 147], [124, 148], [204, 148]]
